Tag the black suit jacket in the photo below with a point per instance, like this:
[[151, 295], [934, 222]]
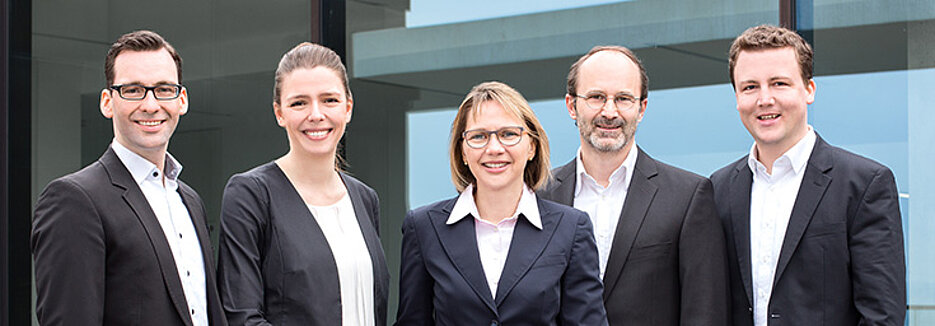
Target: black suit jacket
[[275, 266], [549, 277], [667, 264], [101, 257], [841, 261]]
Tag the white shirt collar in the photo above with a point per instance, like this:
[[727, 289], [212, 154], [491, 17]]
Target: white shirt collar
[[621, 175], [141, 168], [797, 155], [465, 206]]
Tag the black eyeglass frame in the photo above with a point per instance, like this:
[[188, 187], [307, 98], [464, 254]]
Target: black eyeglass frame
[[147, 89], [488, 133]]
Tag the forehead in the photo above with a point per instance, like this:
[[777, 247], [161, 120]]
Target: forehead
[[610, 71], [145, 67], [494, 115], [771, 62], [317, 79]]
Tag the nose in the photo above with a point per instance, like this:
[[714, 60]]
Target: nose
[[494, 146], [765, 98], [609, 109], [315, 113], [149, 103]]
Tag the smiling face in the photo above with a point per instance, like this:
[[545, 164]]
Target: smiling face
[[772, 97], [314, 110], [497, 167], [607, 129], [144, 126]]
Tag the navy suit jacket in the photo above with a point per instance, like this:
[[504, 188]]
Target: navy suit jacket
[[550, 277], [667, 264], [102, 258], [842, 260]]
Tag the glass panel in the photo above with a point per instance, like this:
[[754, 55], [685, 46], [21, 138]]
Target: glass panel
[[876, 65], [412, 62], [227, 67]]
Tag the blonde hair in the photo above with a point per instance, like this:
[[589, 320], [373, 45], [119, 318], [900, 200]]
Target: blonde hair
[[537, 170]]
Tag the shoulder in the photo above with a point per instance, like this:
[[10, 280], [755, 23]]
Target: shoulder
[[855, 164], [355, 185], [676, 174], [424, 214], [547, 207], [260, 175], [722, 174]]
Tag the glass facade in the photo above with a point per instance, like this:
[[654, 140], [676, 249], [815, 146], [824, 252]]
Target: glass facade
[[412, 61]]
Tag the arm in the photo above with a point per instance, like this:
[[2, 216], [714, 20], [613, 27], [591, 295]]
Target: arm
[[415, 284], [703, 262], [69, 252], [243, 225], [878, 267], [582, 290]]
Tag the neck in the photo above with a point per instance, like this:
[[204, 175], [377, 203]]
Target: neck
[[497, 205], [600, 165], [767, 154], [308, 169]]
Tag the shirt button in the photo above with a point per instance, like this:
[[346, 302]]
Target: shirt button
[[155, 174], [193, 312], [774, 315], [188, 273], [180, 235]]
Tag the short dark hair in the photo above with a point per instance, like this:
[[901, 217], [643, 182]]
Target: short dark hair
[[766, 37], [572, 88], [139, 41]]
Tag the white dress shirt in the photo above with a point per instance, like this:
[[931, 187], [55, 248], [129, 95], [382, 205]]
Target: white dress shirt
[[355, 270], [493, 239], [166, 202], [771, 199], [604, 204]]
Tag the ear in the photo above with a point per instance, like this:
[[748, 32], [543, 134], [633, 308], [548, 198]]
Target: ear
[[107, 104], [350, 110], [570, 104], [810, 88], [532, 150], [277, 111], [183, 100], [643, 105]]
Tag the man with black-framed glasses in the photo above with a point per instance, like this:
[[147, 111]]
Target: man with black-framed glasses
[[660, 243], [124, 241]]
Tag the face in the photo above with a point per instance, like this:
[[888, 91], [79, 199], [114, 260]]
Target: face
[[496, 166], [772, 98], [608, 129], [314, 110], [144, 126]]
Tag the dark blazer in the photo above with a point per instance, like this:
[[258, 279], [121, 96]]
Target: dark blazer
[[842, 259], [550, 276], [275, 266], [101, 257], [667, 263]]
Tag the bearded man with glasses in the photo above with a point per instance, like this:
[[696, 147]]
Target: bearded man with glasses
[[660, 243]]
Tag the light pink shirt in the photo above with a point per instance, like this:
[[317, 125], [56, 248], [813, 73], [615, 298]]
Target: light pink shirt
[[493, 240]]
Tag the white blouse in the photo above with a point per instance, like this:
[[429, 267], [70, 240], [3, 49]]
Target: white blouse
[[355, 270]]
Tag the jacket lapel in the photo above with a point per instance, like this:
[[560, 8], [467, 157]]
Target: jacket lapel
[[460, 244], [120, 177], [525, 248], [740, 187], [640, 196], [814, 183]]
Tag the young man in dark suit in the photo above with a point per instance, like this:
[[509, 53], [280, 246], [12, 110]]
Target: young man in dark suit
[[124, 241], [813, 231], [660, 244]]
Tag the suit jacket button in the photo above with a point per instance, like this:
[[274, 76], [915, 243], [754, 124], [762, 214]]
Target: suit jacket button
[[750, 309], [773, 315], [494, 323]]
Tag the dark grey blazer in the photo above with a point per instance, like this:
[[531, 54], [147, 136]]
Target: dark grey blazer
[[667, 264], [275, 265], [842, 259], [101, 257]]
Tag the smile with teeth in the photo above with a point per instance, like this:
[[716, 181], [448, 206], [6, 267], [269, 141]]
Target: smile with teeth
[[494, 165], [768, 117], [317, 133], [149, 123]]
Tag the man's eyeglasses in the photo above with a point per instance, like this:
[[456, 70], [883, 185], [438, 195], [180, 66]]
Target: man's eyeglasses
[[136, 92], [596, 101], [478, 138]]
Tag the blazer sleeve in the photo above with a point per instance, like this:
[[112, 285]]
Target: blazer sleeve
[[415, 283], [582, 302], [68, 245], [703, 261], [877, 254], [244, 218]]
